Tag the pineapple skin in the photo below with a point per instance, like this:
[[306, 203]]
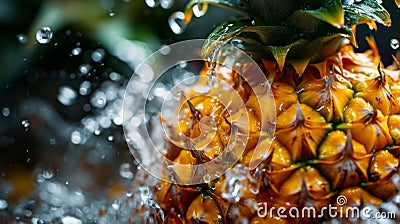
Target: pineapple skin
[[337, 134]]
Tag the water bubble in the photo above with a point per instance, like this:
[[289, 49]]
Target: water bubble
[[47, 174], [165, 50], [211, 80], [77, 137], [152, 3], [21, 38], [44, 35], [182, 64], [115, 76], [167, 4], [70, 220], [129, 194], [52, 141], [98, 55], [394, 43], [115, 206], [207, 178], [177, 22], [26, 124], [6, 111], [76, 51], [98, 99], [66, 95], [3, 204], [110, 138], [85, 68], [200, 10], [125, 171], [85, 88]]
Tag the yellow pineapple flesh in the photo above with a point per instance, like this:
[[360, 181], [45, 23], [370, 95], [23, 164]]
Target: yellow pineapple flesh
[[337, 122]]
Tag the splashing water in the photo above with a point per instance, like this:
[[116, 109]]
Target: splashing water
[[238, 181], [44, 35]]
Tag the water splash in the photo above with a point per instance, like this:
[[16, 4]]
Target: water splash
[[238, 181], [44, 35]]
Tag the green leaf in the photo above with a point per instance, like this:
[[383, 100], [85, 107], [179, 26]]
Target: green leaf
[[223, 34], [331, 13], [280, 52], [366, 11]]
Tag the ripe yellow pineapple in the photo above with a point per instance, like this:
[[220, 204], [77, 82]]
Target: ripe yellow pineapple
[[337, 122]]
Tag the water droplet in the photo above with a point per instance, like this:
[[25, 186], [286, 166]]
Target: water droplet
[[70, 220], [85, 68], [200, 10], [26, 124], [6, 111], [99, 99], [129, 194], [177, 22], [115, 76], [111, 13], [44, 35], [3, 204], [110, 138], [47, 174], [167, 4], [152, 3], [125, 171], [66, 95], [76, 51], [394, 43], [67, 182], [21, 38], [85, 88], [165, 50], [77, 137], [358, 1], [115, 206], [98, 55], [207, 178], [211, 80], [182, 64]]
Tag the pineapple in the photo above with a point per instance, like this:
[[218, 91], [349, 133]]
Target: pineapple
[[337, 116]]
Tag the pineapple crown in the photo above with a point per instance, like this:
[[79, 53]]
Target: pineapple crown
[[295, 31]]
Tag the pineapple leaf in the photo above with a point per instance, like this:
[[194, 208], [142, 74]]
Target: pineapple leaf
[[331, 13], [222, 34], [280, 53], [397, 3], [365, 12]]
